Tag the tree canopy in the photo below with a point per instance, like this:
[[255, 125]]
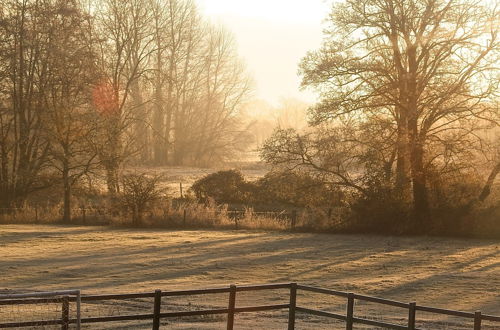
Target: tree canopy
[[410, 87]]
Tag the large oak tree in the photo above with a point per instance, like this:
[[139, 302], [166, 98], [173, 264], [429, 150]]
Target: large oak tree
[[430, 67]]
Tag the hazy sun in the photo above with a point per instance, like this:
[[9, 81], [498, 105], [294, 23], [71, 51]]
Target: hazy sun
[[273, 36], [275, 10]]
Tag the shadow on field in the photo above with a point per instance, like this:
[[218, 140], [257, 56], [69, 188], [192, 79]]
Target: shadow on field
[[454, 273]]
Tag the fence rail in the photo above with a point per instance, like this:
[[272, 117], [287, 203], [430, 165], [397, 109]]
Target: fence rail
[[157, 314]]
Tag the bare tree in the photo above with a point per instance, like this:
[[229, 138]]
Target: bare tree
[[226, 87], [429, 66], [86, 82], [495, 170], [198, 87], [126, 45], [69, 124], [23, 63], [139, 190]]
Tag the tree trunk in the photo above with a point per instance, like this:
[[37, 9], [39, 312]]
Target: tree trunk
[[112, 179], [421, 207], [67, 195], [159, 144], [420, 193], [166, 142], [402, 162], [489, 182], [158, 129], [113, 154], [141, 129], [178, 147], [136, 216]]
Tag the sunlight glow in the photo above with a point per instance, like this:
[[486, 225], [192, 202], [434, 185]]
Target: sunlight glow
[[272, 36], [291, 11]]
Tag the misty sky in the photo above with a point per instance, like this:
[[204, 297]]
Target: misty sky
[[272, 37]]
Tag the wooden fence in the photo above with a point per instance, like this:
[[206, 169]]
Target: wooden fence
[[159, 301]]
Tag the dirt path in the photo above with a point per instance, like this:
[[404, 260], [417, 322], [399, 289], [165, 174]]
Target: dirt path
[[450, 273]]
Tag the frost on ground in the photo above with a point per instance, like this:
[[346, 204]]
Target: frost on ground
[[440, 272]]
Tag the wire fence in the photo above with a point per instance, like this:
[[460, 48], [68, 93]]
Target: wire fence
[[157, 306], [105, 216], [41, 309]]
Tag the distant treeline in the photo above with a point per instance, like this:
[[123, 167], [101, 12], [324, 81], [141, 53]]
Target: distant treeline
[[86, 86], [405, 137]]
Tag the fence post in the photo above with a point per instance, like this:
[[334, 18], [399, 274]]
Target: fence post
[[157, 310], [293, 304], [84, 220], [78, 310], [184, 218], [65, 313], [477, 320], [350, 311], [180, 187], [232, 303], [294, 219], [412, 308]]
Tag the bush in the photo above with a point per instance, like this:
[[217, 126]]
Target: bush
[[457, 211], [139, 191], [483, 221], [223, 186], [381, 211], [295, 189], [279, 187]]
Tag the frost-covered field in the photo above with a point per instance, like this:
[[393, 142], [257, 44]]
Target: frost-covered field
[[440, 272]]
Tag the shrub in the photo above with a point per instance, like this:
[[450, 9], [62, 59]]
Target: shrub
[[223, 186], [277, 187], [295, 189], [139, 191], [457, 211], [381, 211]]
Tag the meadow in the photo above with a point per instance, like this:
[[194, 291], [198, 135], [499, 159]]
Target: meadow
[[461, 274]]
